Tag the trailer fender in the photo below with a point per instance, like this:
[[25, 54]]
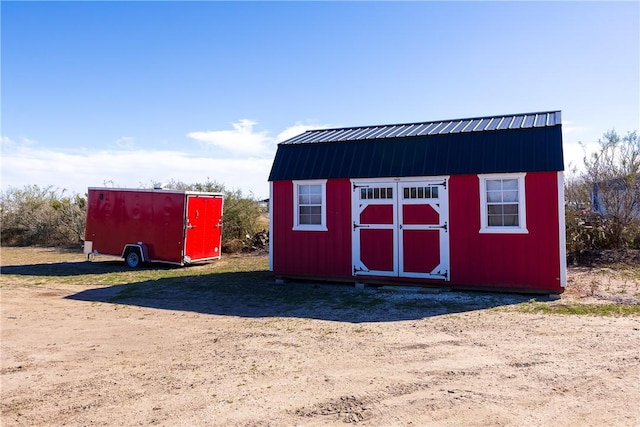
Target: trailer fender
[[135, 254]]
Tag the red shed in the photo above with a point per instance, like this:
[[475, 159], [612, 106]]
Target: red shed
[[473, 203], [175, 227]]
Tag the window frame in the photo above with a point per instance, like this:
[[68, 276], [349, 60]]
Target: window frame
[[323, 206], [521, 228]]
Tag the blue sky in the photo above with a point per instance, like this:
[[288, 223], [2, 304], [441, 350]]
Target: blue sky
[[130, 93]]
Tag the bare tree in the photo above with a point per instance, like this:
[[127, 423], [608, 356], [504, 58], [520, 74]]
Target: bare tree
[[613, 176]]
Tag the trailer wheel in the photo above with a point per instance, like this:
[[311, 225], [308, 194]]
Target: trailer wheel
[[133, 258]]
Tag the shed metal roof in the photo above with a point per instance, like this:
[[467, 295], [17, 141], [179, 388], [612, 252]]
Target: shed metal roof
[[530, 142], [441, 127]]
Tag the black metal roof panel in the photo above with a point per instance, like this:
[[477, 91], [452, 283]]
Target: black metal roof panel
[[474, 124], [529, 142]]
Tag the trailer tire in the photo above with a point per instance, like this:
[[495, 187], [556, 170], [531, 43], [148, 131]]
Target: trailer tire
[[133, 258]]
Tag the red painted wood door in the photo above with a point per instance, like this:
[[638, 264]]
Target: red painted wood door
[[400, 228], [375, 228], [423, 229]]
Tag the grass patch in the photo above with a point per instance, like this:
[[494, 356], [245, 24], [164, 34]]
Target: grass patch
[[129, 291], [242, 285], [610, 310]]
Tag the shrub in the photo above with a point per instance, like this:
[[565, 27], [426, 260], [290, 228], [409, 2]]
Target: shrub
[[47, 216], [41, 216], [241, 215]]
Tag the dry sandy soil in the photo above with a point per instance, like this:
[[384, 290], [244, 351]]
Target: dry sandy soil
[[78, 351]]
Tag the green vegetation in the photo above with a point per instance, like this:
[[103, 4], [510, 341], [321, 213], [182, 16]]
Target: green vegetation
[[51, 217], [602, 202], [243, 285], [242, 213], [35, 216], [41, 216], [612, 310]]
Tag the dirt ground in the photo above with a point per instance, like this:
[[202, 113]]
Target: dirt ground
[[76, 352]]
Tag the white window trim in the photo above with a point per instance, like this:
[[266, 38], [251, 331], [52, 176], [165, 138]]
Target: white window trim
[[522, 205], [296, 218]]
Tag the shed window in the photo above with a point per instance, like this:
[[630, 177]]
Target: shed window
[[309, 205], [502, 204], [372, 193], [430, 192]]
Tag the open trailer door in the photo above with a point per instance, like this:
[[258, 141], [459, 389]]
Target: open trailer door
[[203, 227]]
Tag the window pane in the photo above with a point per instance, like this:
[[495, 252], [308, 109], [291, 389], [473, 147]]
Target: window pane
[[413, 192], [421, 193], [389, 193], [369, 193], [494, 196], [502, 202], [509, 184], [495, 220], [494, 184], [310, 204], [406, 193], [434, 192], [315, 189], [315, 199], [363, 193], [309, 194], [510, 196], [510, 209], [305, 210], [495, 209], [511, 220]]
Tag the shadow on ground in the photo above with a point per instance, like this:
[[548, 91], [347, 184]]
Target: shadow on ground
[[73, 268], [254, 295]]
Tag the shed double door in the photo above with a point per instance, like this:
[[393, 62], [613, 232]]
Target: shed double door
[[400, 228]]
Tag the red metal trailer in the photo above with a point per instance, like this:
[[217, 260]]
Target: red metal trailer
[[169, 226]]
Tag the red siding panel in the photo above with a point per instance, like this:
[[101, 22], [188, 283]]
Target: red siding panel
[[313, 253], [527, 261]]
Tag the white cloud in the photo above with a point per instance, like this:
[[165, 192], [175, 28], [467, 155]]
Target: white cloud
[[12, 143], [569, 128], [577, 139], [125, 142], [76, 172], [297, 129], [241, 140], [245, 164]]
